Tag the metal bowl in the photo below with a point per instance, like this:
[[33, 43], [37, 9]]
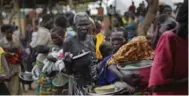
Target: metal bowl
[[26, 77], [142, 68]]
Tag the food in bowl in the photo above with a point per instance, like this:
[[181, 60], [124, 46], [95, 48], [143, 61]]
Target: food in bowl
[[105, 89]]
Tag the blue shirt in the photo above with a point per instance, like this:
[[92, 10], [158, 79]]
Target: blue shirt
[[105, 75]]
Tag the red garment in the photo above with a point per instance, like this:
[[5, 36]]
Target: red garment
[[132, 9], [170, 62], [14, 58]]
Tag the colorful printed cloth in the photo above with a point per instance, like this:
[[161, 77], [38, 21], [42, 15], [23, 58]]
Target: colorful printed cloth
[[44, 84], [136, 49]]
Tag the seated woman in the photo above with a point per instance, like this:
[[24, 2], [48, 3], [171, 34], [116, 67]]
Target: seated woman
[[140, 47]]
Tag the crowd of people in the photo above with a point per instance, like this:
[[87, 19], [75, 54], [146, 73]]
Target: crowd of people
[[69, 54]]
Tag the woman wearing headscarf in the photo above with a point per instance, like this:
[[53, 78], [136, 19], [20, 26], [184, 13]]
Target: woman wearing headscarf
[[169, 73], [140, 47], [12, 47]]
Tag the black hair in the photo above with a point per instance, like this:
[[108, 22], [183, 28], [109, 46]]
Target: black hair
[[167, 6], [182, 18], [61, 21], [119, 19], [133, 17], [111, 6], [70, 20], [162, 8], [7, 28], [47, 21], [106, 49], [58, 30], [16, 27], [120, 29], [36, 22]]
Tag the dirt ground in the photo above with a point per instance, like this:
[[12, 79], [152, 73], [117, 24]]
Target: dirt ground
[[29, 92]]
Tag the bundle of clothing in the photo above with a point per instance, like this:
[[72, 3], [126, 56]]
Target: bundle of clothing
[[50, 72]]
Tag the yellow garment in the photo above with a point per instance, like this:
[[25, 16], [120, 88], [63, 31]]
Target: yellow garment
[[136, 49], [124, 21], [1, 65], [99, 41]]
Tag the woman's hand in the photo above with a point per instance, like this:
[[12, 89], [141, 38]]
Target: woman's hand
[[131, 78], [68, 62], [68, 57], [130, 88]]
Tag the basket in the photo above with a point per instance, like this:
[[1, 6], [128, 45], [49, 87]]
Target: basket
[[26, 77]]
